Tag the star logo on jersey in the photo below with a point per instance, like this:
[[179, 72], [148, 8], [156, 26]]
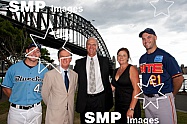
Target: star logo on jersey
[[145, 104], [161, 7], [32, 114], [47, 64]]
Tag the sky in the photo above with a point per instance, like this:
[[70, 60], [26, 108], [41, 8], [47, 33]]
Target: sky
[[120, 21]]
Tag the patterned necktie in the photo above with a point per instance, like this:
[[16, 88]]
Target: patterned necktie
[[92, 82], [66, 80]]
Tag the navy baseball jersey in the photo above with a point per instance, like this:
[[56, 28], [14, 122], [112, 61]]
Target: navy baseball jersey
[[156, 68], [25, 83]]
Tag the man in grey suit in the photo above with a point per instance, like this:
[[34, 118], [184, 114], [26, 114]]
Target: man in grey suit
[[58, 91], [94, 89]]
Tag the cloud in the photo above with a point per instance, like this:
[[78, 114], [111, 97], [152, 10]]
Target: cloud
[[109, 13]]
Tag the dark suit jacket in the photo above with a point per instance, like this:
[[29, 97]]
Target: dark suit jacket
[[80, 68]]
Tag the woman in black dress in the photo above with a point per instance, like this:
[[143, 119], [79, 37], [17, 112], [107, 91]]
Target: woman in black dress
[[125, 83]]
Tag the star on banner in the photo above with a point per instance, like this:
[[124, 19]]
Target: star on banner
[[47, 64], [150, 102], [161, 7]]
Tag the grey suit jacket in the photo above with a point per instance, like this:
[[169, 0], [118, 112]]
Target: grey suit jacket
[[56, 97]]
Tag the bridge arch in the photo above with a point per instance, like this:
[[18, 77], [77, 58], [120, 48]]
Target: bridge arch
[[67, 26]]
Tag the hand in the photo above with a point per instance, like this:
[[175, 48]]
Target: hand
[[130, 113], [113, 88]]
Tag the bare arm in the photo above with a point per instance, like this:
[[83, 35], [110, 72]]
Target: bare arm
[[177, 83], [135, 80], [7, 91]]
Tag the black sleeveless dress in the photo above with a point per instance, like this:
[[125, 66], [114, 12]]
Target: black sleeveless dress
[[123, 95]]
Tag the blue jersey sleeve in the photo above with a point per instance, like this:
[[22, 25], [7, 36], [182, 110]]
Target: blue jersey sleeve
[[8, 80], [172, 67]]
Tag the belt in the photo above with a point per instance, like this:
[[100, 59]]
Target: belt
[[94, 95], [154, 95], [25, 107]]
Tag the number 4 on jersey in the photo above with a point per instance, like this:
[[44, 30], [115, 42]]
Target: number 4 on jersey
[[37, 88]]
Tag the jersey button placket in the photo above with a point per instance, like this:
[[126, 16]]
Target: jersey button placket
[[28, 85]]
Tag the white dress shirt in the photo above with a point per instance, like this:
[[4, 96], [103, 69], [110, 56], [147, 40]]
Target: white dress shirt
[[98, 79], [63, 73]]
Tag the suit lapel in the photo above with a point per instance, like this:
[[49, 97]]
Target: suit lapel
[[84, 66], [101, 69], [84, 69], [71, 80], [101, 65]]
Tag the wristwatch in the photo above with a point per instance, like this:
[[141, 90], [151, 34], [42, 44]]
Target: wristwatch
[[131, 109]]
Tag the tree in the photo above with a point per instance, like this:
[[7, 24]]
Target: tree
[[13, 42], [45, 55]]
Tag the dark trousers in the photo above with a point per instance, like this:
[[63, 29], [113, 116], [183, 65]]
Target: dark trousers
[[94, 104]]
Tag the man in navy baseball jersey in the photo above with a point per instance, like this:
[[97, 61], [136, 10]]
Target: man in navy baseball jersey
[[22, 84], [163, 78]]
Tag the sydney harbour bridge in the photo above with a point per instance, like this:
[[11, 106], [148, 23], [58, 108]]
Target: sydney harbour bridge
[[68, 28]]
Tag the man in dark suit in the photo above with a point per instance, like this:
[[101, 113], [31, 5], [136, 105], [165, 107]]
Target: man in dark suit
[[94, 89]]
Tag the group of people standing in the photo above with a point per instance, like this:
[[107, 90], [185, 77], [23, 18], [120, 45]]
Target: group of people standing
[[23, 85]]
